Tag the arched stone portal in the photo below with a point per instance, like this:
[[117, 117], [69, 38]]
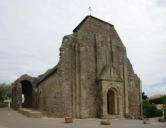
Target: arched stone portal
[[27, 92], [25, 85]]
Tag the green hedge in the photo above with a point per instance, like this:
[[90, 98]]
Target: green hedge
[[161, 100], [150, 110], [165, 112]]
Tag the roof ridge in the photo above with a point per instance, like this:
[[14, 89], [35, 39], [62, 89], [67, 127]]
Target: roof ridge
[[80, 24]]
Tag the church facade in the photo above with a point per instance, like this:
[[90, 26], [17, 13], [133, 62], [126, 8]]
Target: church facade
[[93, 79]]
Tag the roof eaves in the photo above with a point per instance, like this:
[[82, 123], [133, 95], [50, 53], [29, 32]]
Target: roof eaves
[[45, 76]]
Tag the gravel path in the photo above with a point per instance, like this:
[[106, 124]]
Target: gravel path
[[13, 119]]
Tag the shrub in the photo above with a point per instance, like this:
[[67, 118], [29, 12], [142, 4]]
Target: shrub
[[165, 113], [158, 113], [150, 110]]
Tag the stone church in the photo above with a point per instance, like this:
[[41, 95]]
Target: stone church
[[93, 79]]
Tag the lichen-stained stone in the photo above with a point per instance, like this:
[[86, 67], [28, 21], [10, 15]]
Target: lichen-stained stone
[[93, 78]]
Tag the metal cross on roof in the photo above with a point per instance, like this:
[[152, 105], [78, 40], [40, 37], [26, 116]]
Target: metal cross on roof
[[90, 10]]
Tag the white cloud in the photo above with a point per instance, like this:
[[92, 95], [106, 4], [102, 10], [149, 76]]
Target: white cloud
[[32, 31]]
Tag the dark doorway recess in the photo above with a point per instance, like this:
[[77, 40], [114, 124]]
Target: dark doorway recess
[[111, 102], [27, 92]]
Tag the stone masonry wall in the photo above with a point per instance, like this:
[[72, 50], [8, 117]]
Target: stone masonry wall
[[101, 47], [55, 93], [134, 93]]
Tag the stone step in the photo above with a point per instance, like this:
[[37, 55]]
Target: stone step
[[30, 112], [112, 117]]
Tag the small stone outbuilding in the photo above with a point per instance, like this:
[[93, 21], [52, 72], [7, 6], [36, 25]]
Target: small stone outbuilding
[[94, 78]]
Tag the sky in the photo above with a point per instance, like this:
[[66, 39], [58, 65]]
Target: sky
[[31, 33]]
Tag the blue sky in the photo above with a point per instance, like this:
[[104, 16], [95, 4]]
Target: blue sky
[[32, 31]]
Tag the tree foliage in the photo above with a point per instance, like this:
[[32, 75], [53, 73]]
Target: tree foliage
[[165, 112], [150, 110], [5, 91], [161, 100], [144, 97]]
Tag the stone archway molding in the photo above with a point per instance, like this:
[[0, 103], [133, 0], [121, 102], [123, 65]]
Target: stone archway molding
[[17, 91], [116, 101], [117, 88]]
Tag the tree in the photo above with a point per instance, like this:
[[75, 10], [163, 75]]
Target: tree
[[144, 97], [161, 100], [2, 92], [5, 92]]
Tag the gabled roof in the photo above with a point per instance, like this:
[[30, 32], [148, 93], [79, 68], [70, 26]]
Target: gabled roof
[[44, 76], [89, 16]]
